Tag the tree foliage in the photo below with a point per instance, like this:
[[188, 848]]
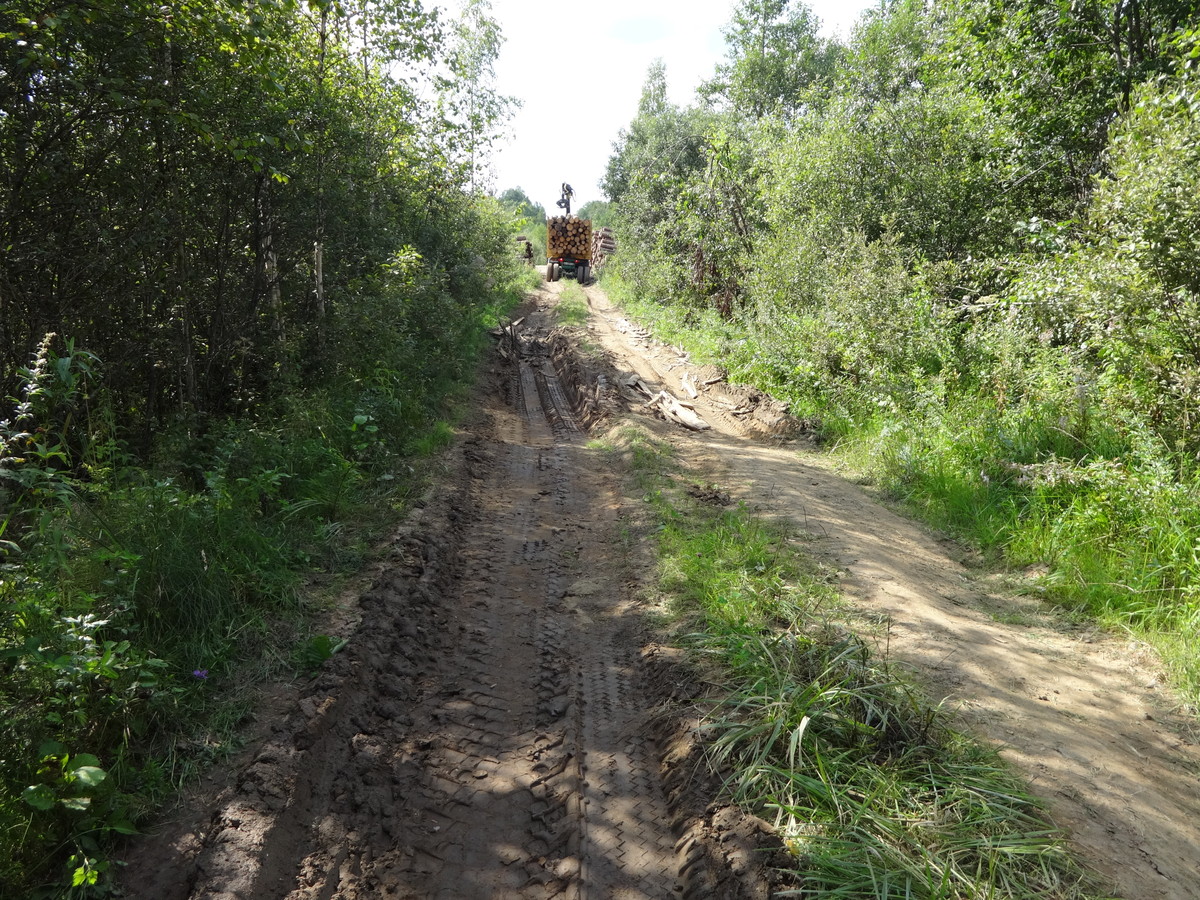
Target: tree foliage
[[966, 241], [774, 57], [243, 264], [529, 217]]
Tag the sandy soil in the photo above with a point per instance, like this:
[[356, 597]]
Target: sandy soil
[[501, 723]]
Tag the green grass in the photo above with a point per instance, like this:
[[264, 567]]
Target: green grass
[[1062, 480], [873, 790], [139, 605], [708, 337], [572, 307]]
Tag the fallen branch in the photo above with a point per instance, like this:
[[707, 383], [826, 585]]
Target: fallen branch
[[675, 410]]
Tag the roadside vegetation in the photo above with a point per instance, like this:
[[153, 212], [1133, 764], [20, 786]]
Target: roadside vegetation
[[529, 221], [962, 246], [246, 272], [873, 791]]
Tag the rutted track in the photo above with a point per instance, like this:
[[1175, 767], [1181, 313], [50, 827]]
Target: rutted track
[[487, 732]]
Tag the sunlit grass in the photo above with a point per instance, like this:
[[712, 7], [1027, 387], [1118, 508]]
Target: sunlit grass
[[572, 306], [869, 785]]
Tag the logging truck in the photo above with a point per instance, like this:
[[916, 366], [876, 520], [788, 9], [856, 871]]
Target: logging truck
[[568, 243]]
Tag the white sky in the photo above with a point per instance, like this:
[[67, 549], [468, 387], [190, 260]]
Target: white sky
[[565, 131]]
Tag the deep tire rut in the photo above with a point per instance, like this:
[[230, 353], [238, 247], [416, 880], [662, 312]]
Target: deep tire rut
[[491, 729], [534, 795]]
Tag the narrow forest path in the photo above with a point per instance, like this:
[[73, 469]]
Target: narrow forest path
[[1082, 714], [491, 729], [495, 727]]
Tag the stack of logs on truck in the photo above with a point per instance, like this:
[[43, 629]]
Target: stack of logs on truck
[[568, 248]]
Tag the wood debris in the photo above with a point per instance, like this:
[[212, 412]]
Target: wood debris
[[738, 409], [669, 406], [675, 410]]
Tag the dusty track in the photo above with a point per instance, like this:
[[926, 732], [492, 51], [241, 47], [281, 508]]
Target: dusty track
[[493, 728]]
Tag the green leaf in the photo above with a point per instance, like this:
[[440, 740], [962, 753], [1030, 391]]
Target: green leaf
[[77, 803], [51, 750], [90, 776], [123, 826], [39, 796]]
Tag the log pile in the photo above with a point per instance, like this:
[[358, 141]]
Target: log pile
[[603, 244], [568, 236]]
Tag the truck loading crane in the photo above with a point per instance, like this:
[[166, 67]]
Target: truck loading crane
[[568, 242]]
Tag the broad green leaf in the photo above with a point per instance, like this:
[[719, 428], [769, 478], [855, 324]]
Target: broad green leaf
[[89, 775], [39, 796]]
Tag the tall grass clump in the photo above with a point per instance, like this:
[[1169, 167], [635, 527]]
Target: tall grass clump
[[875, 793]]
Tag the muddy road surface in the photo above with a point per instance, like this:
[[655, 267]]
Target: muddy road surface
[[496, 726], [501, 725]]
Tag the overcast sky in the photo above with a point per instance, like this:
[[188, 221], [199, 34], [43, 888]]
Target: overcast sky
[[579, 68]]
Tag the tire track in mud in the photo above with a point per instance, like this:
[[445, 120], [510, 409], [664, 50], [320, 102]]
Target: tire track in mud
[[480, 736], [507, 777], [487, 731]]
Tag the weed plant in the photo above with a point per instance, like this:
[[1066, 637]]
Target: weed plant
[[875, 794]]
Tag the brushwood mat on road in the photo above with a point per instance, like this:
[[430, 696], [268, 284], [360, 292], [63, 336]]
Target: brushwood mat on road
[[498, 724], [1083, 715]]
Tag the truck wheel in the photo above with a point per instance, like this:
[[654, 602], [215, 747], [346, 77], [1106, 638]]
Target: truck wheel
[[581, 274], [549, 271], [555, 271]]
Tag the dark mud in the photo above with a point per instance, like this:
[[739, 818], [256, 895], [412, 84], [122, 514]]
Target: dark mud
[[500, 723]]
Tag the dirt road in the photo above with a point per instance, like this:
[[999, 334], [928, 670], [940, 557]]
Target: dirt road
[[497, 728], [491, 730], [1082, 714]]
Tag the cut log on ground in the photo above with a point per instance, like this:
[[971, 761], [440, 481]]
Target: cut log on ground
[[675, 410]]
